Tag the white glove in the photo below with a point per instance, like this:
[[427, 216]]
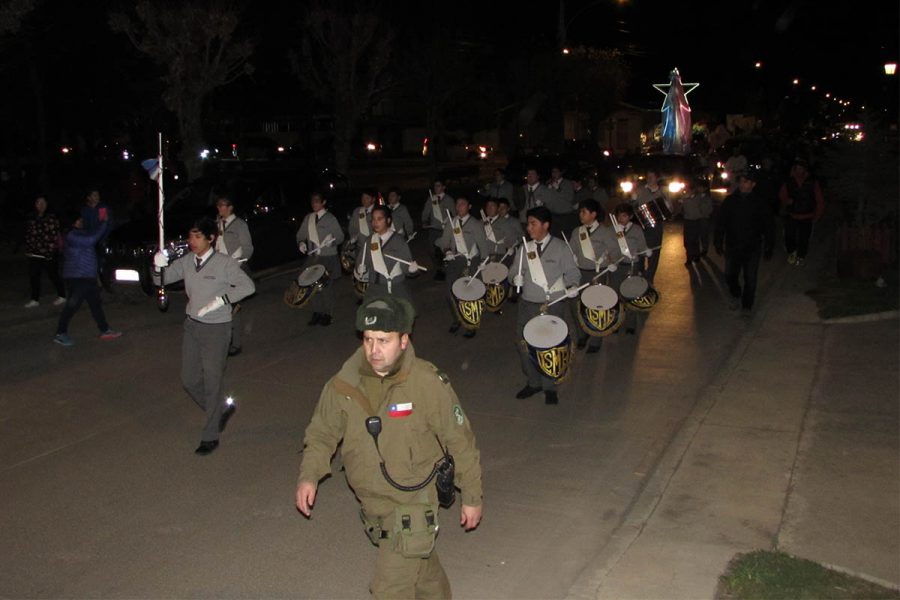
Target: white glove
[[160, 260], [302, 247], [518, 281], [448, 255], [648, 252], [215, 303], [413, 267], [360, 270], [572, 292], [611, 267]]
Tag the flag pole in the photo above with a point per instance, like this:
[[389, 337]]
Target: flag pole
[[162, 298]]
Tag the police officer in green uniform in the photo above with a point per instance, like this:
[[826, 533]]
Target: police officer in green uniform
[[398, 417]]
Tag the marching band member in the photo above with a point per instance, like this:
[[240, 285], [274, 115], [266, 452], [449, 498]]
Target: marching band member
[[360, 225], [505, 226], [561, 201], [235, 241], [588, 247], [319, 237], [547, 271], [463, 242], [403, 223], [535, 194], [625, 241], [378, 257], [434, 214], [649, 192]]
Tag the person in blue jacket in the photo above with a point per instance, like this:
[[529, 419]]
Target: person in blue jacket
[[80, 275]]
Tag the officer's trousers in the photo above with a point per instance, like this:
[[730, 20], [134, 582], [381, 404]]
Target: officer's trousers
[[399, 577]]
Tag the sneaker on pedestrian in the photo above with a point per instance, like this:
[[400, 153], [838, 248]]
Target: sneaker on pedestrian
[[792, 258], [59, 301], [32, 304], [63, 339], [110, 334]]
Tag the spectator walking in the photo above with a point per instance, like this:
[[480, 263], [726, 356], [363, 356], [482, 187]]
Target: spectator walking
[[803, 200], [42, 245]]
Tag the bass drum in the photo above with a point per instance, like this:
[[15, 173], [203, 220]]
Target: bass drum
[[312, 279], [599, 311], [495, 276], [468, 301], [548, 345]]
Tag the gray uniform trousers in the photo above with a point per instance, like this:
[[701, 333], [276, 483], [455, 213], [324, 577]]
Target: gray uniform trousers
[[203, 355], [323, 300], [654, 237], [455, 269], [237, 328], [526, 312]]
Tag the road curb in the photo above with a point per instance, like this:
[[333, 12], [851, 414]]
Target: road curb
[[869, 318]]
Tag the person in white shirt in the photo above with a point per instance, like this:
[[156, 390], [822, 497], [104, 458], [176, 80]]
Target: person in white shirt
[[235, 241]]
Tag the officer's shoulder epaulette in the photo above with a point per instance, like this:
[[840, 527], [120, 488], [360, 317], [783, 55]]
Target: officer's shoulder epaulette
[[441, 375]]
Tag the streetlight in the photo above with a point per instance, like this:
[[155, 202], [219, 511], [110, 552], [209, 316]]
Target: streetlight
[[890, 68]]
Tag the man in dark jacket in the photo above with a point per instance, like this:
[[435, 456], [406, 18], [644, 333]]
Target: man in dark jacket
[[80, 274], [744, 224]]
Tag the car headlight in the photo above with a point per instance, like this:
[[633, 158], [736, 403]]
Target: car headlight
[[675, 187], [626, 186]]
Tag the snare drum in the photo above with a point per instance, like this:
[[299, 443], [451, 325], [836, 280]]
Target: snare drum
[[652, 213], [599, 312], [468, 301], [360, 283], [348, 257], [633, 286], [645, 302], [311, 280], [548, 345], [495, 280]]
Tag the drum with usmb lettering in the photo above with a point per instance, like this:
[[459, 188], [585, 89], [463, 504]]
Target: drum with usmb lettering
[[495, 276], [645, 302], [599, 311], [468, 301], [548, 345], [312, 279]]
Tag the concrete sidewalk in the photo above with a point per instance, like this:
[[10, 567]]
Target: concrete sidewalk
[[793, 446]]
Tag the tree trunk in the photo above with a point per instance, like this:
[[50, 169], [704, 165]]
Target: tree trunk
[[344, 128], [40, 121], [191, 125]]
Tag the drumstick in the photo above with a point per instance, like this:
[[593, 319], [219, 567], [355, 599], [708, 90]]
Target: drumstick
[[405, 262], [410, 238], [480, 267], [564, 296], [570, 246], [324, 244]]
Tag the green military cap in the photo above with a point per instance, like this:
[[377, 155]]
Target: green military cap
[[386, 313]]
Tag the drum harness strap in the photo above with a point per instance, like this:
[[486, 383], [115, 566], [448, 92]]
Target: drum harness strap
[[363, 223], [460, 241], [378, 263], [536, 270]]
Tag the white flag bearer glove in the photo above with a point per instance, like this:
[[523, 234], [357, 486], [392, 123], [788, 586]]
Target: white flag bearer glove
[[572, 292], [518, 281], [217, 302], [160, 261], [302, 247]]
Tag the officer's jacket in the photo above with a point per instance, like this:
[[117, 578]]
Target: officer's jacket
[[415, 404]]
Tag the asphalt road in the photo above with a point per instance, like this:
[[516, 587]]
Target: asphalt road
[[103, 496]]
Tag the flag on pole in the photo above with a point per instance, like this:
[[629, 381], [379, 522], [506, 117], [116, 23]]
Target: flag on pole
[[152, 167]]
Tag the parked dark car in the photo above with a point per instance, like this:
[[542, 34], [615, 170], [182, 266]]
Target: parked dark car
[[272, 202]]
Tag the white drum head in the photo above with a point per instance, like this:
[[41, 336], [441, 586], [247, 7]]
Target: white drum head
[[545, 331], [310, 275], [494, 273], [471, 292], [633, 287], [599, 297]]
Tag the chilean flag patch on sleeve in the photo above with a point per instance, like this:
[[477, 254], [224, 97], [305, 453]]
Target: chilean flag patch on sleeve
[[400, 410]]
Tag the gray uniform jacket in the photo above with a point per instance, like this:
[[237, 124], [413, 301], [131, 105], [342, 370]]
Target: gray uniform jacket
[[395, 246], [353, 226], [634, 237], [446, 203], [499, 190], [327, 224], [560, 197], [219, 275], [557, 262], [473, 234], [645, 195], [236, 235], [402, 220], [507, 231], [540, 196], [596, 237], [696, 207]]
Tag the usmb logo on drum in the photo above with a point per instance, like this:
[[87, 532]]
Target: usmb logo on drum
[[470, 311], [554, 362], [495, 296], [601, 319]]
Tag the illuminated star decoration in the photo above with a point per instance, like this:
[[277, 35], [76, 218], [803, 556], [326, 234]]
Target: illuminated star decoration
[[676, 130]]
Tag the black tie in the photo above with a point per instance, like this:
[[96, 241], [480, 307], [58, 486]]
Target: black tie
[[317, 218], [541, 248], [199, 262]]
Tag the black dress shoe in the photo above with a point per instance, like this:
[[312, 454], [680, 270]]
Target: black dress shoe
[[470, 333], [234, 351], [226, 414], [315, 319], [527, 392], [454, 328], [324, 320], [550, 398], [206, 447]]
